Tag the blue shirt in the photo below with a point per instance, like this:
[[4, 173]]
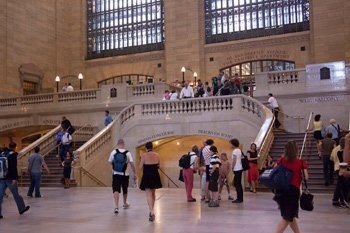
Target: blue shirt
[[108, 120]]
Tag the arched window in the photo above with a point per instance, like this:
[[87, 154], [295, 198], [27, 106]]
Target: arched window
[[131, 79], [227, 20], [118, 27]]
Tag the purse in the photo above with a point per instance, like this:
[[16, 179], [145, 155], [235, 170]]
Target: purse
[[306, 198], [245, 162]]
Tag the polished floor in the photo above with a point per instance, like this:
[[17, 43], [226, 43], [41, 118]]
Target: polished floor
[[91, 210]]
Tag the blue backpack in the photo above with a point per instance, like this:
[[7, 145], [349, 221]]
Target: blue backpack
[[120, 161], [277, 178]]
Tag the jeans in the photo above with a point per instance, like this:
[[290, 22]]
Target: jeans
[[338, 195], [14, 190], [63, 152], [237, 182], [275, 112], [35, 180], [328, 169], [188, 179]]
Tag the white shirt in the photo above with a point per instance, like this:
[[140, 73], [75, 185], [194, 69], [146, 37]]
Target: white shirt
[[193, 159], [70, 88], [206, 152], [237, 154], [187, 92], [66, 138], [173, 96], [273, 102], [129, 159], [223, 78]]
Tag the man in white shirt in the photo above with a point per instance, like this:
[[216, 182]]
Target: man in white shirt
[[65, 144], [121, 161], [237, 169], [186, 92], [275, 109], [206, 152], [69, 88]]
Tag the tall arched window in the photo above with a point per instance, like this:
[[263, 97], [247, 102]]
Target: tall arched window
[[227, 20], [118, 27]]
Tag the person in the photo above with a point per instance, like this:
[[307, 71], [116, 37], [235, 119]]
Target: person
[[188, 173], [67, 168], [288, 201], [207, 90], [340, 190], [214, 167], [238, 83], [35, 164], [275, 109], [268, 164], [202, 171], [108, 118], [10, 181], [327, 146], [237, 169], [173, 95], [186, 92], [70, 88], [65, 144], [225, 90], [121, 161], [64, 88], [199, 89], [317, 129], [206, 155], [166, 95], [215, 86], [334, 129], [253, 172], [150, 181], [225, 175], [222, 77], [65, 124]]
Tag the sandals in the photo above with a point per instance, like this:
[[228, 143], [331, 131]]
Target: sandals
[[151, 217]]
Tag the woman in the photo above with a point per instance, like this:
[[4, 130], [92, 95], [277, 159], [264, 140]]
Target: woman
[[288, 200], [150, 180], [225, 175], [317, 128], [67, 168], [237, 169], [188, 173], [253, 172]]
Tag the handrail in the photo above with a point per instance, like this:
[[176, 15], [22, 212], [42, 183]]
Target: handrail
[[86, 172], [168, 178], [305, 136]]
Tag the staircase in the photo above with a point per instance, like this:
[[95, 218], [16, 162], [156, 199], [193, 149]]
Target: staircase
[[56, 170], [310, 155]]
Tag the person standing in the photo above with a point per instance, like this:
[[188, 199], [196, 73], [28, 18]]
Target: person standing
[[275, 109], [150, 181], [327, 146], [35, 164], [288, 201], [67, 169], [237, 169], [202, 171], [225, 175], [214, 167], [10, 181], [334, 129], [188, 173], [108, 118], [121, 161], [64, 88], [173, 95], [206, 152], [253, 172], [186, 92], [70, 88]]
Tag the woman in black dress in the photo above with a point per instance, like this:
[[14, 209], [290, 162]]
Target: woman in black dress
[[150, 179]]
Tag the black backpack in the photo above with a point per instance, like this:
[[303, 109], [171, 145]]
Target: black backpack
[[185, 161], [245, 162]]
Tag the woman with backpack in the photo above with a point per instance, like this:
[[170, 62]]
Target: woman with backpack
[[188, 173], [288, 200]]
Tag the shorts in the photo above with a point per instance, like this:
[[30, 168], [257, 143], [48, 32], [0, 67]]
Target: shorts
[[207, 178], [213, 183], [120, 182]]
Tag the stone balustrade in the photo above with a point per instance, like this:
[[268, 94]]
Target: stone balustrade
[[284, 77]]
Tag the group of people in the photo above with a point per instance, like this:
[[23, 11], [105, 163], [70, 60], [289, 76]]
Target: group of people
[[68, 87]]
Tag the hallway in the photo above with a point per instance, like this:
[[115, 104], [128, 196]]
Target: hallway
[[91, 210]]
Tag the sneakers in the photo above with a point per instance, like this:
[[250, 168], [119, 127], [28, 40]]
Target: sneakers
[[237, 201], [213, 204], [151, 217], [126, 206], [192, 200], [342, 205], [25, 210], [116, 211]]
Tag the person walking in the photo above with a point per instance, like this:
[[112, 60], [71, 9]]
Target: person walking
[[253, 172], [150, 181], [237, 169], [10, 181], [275, 109], [35, 164], [121, 161], [108, 118], [188, 173], [288, 201], [334, 129], [327, 146], [67, 169], [65, 144]]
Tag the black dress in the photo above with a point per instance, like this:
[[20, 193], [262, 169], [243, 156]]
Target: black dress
[[150, 178]]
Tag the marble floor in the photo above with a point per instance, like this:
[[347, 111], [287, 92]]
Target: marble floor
[[91, 210]]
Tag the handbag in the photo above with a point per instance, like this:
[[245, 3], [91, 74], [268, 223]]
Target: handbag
[[306, 198], [245, 162], [277, 178], [181, 177]]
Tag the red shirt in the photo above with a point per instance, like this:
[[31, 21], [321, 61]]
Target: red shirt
[[295, 167]]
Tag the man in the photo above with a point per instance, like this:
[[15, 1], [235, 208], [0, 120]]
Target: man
[[121, 161], [207, 155], [186, 92], [35, 164], [69, 88], [108, 118], [64, 88], [275, 109], [327, 146], [334, 129], [65, 144], [11, 181]]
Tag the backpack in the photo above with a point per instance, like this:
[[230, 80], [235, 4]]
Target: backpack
[[4, 164], [185, 161], [120, 161], [245, 162], [277, 178], [71, 130]]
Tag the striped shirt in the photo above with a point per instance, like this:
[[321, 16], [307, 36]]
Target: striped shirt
[[206, 154], [215, 162]]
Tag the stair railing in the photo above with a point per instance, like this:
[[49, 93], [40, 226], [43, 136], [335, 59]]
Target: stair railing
[[306, 133], [168, 178], [83, 171]]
